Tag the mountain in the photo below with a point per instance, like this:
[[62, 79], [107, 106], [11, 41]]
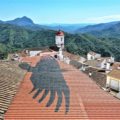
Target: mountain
[[29, 24], [24, 21], [14, 38], [1, 21], [111, 32], [97, 27], [70, 28]]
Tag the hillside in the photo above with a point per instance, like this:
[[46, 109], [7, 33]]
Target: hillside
[[112, 31], [102, 30], [97, 27], [14, 38], [109, 33]]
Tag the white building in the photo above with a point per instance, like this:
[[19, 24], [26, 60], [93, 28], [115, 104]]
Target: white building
[[98, 63], [113, 81], [67, 60], [34, 53], [82, 59], [92, 56], [59, 39], [95, 60], [110, 59]]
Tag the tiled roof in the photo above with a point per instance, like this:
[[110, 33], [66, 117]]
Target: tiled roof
[[92, 53], [71, 56], [9, 84], [115, 65], [87, 100], [94, 63], [115, 74], [60, 33]]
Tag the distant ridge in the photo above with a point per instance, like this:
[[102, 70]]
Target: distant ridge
[[24, 21], [1, 21], [28, 23], [97, 27]]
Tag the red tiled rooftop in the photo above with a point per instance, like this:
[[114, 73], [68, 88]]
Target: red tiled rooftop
[[60, 33], [87, 100]]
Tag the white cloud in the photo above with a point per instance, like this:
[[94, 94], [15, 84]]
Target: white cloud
[[103, 19]]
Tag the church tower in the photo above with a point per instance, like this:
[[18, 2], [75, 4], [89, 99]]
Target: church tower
[[59, 39]]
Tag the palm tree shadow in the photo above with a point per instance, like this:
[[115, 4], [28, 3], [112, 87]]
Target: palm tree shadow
[[47, 76]]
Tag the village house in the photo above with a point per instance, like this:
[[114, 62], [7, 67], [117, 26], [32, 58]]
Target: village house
[[74, 57], [110, 59], [100, 64], [92, 55], [113, 81], [33, 52], [95, 60]]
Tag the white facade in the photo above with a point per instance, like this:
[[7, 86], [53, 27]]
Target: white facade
[[59, 41], [67, 60], [107, 66], [82, 60], [90, 57], [34, 53], [111, 59], [113, 83], [93, 56], [60, 54], [103, 64]]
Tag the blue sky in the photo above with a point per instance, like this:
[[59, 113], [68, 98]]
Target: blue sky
[[61, 11]]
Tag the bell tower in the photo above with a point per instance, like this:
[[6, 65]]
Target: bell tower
[[59, 39]]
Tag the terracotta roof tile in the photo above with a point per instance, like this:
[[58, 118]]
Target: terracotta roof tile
[[92, 53], [71, 56], [94, 63], [115, 65], [87, 100], [115, 73]]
